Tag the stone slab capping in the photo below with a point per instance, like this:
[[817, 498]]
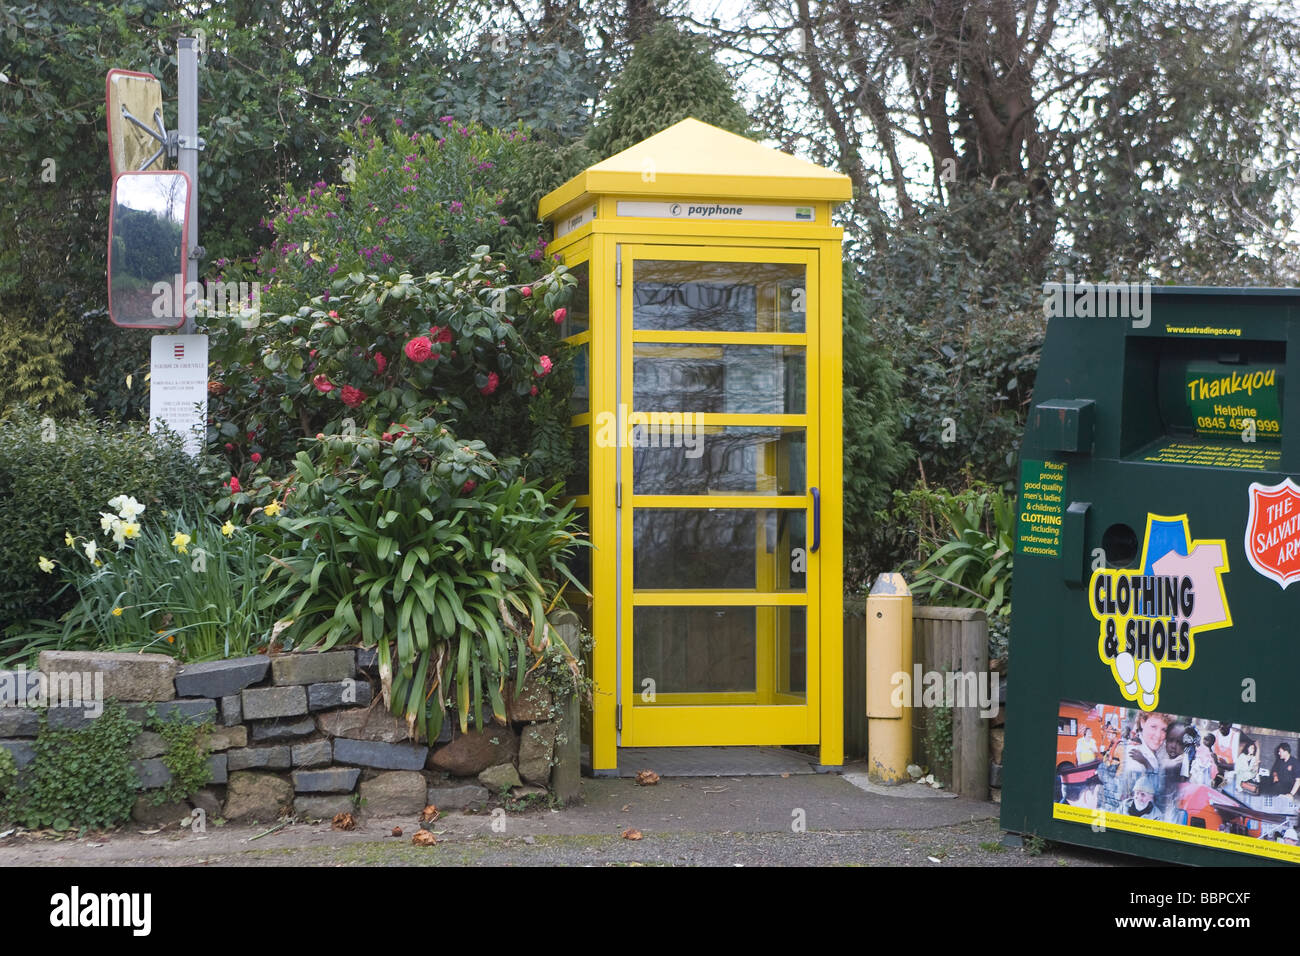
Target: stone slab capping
[[312, 668], [126, 676], [221, 678]]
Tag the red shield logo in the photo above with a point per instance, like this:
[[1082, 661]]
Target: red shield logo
[[1273, 531]]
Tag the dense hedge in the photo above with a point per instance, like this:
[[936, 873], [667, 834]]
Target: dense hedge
[[56, 477]]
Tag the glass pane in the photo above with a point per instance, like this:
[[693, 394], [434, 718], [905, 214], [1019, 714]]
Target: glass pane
[[580, 400], [737, 379], [578, 316], [579, 481], [719, 296], [730, 459], [719, 549], [703, 650]]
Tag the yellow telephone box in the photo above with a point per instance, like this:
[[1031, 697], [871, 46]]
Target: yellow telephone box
[[707, 323]]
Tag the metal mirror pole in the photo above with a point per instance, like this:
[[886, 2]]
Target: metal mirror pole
[[187, 63]]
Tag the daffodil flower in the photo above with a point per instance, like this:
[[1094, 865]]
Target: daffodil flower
[[130, 509], [117, 612], [130, 530], [227, 529], [45, 564], [107, 521], [181, 542], [67, 539], [90, 548], [272, 509]]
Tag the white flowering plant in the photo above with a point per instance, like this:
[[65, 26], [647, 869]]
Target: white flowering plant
[[180, 584]]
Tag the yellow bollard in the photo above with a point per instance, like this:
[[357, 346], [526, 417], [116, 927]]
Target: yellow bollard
[[889, 653]]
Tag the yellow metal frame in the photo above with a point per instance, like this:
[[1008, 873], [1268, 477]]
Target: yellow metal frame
[[703, 719], [709, 719]]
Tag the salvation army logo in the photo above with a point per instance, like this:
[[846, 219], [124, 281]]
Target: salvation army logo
[[1273, 531], [1150, 616]]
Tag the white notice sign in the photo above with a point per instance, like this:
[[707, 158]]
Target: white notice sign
[[178, 387], [730, 210]]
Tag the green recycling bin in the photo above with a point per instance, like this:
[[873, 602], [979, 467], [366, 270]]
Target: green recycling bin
[[1152, 688]]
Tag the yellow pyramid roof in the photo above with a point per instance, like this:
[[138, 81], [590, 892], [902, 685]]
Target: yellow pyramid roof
[[692, 158]]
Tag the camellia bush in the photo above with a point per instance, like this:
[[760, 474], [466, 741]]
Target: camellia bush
[[385, 349], [380, 298], [427, 546]]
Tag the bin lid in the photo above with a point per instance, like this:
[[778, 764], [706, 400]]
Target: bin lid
[[694, 158]]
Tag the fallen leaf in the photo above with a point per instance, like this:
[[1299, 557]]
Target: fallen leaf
[[714, 790], [150, 832], [933, 859], [344, 821], [646, 778], [785, 776], [627, 807], [424, 838], [397, 831], [429, 814], [631, 834]]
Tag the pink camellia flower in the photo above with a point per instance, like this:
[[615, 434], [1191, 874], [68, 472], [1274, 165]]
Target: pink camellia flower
[[418, 349], [545, 363], [386, 436], [559, 314], [491, 386], [229, 447], [533, 390], [352, 397], [333, 314], [322, 384], [381, 363], [255, 458], [233, 485], [526, 291]]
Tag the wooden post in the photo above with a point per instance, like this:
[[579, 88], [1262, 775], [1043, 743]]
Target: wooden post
[[956, 640]]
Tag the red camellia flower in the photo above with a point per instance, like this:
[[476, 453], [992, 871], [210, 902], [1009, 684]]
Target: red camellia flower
[[559, 314], [381, 363], [322, 384], [229, 447], [545, 363], [491, 386], [526, 291], [468, 486], [418, 349], [533, 390], [440, 334], [255, 458], [352, 397], [386, 436], [233, 485]]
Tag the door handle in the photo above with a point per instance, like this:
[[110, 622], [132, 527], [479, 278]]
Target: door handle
[[817, 520]]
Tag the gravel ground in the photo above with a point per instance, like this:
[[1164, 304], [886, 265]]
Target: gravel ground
[[738, 821]]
